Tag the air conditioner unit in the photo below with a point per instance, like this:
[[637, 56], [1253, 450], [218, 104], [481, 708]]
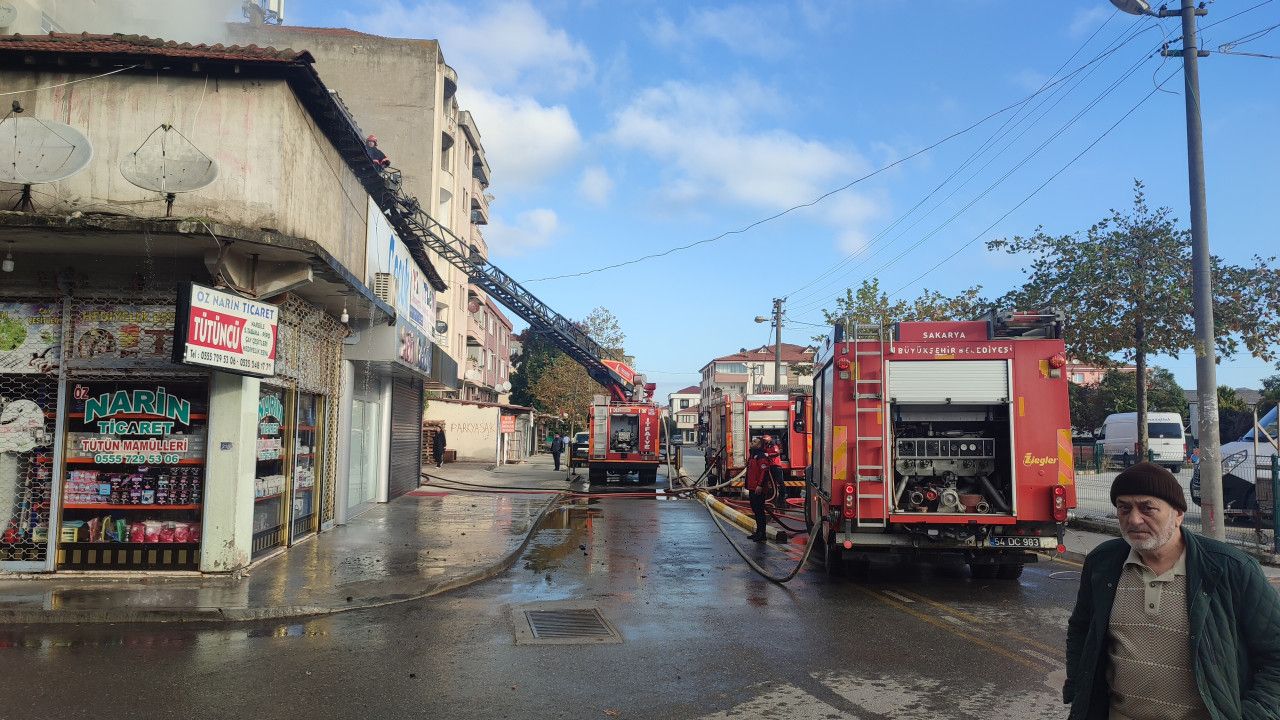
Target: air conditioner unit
[[384, 287]]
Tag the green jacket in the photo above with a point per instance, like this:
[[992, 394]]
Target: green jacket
[[1235, 631]]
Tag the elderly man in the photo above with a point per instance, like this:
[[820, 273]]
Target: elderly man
[[1169, 624]]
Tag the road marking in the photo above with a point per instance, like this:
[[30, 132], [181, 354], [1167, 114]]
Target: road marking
[[997, 649], [896, 596], [1046, 658], [780, 701], [975, 621]]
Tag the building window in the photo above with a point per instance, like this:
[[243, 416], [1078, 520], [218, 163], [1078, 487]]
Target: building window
[[1077, 378], [684, 403], [735, 368]]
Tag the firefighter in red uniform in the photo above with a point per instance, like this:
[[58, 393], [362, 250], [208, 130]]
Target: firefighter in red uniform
[[777, 476], [764, 479]]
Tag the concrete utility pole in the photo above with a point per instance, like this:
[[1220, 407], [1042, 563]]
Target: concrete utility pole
[[1201, 267], [777, 345]]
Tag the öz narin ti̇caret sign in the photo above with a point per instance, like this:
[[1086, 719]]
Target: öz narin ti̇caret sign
[[223, 331]]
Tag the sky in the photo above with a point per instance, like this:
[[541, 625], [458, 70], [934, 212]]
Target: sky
[[619, 129]]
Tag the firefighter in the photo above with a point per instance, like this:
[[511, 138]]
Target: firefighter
[[772, 454], [758, 487], [376, 156]]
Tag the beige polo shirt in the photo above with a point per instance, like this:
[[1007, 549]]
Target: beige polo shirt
[[1150, 673]]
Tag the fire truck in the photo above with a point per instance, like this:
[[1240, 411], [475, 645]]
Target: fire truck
[[624, 433], [733, 420], [935, 438]]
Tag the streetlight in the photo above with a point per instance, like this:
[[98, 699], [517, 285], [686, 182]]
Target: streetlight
[[1201, 268]]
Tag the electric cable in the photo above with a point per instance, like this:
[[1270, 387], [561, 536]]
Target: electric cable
[[69, 82], [989, 142], [1124, 76], [829, 193]]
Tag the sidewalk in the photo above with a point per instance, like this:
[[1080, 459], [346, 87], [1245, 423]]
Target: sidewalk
[[1081, 540], [425, 543]]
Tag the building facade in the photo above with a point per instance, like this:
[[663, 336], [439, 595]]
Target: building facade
[[751, 371], [187, 325]]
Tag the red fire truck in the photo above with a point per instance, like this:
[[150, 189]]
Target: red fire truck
[[623, 438], [733, 420], [942, 438]]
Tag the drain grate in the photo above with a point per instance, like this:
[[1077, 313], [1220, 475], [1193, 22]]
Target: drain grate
[[562, 624]]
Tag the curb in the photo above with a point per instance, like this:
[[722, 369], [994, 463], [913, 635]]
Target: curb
[[247, 615]]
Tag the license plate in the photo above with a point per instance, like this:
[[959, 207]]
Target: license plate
[[1015, 541]]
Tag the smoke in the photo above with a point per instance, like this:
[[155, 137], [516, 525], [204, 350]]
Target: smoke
[[194, 21]]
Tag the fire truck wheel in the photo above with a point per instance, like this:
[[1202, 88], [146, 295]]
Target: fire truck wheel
[[595, 475], [984, 571], [1010, 571], [647, 477]]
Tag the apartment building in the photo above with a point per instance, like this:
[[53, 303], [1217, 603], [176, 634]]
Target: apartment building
[[751, 371]]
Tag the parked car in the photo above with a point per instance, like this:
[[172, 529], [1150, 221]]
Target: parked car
[[1165, 439], [578, 450], [1245, 462]]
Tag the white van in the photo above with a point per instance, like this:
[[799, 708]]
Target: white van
[[1164, 437], [1244, 462]]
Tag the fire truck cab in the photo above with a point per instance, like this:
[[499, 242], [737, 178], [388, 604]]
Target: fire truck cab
[[733, 420], [623, 439], [942, 438]]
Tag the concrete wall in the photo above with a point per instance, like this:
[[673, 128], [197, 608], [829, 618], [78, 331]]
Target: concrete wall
[[471, 430], [276, 169]]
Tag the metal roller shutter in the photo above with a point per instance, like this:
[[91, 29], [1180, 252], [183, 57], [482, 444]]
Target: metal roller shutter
[[406, 436], [983, 382]]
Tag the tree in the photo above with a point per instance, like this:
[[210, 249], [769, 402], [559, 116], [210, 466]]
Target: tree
[[1229, 399], [1270, 394], [1125, 287], [1118, 393], [603, 327], [869, 304], [564, 387], [536, 354], [1087, 411]]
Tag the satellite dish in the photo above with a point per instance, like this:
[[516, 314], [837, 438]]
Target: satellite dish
[[167, 162], [34, 152]]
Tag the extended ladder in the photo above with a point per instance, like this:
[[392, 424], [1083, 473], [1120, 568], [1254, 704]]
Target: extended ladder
[[870, 426]]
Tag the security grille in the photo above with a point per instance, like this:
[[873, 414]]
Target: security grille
[[28, 408]]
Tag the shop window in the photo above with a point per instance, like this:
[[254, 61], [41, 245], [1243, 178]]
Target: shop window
[[270, 484], [306, 465], [134, 483]]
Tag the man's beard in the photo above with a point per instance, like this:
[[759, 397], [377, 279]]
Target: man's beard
[[1152, 542]]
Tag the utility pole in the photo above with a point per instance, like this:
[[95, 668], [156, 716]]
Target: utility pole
[[1211, 522], [777, 345]]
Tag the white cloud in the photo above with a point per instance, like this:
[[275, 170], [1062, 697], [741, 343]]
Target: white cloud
[[533, 229], [525, 141], [710, 153], [504, 47], [1088, 19], [742, 29], [595, 186], [1029, 80]]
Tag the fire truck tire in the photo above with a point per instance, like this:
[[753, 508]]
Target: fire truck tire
[[595, 475], [1009, 571], [984, 571], [647, 476]]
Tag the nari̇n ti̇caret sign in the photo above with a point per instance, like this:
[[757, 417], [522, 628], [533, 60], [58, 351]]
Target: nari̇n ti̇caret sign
[[219, 330]]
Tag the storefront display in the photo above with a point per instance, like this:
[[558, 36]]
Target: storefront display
[[134, 482], [306, 466], [270, 484]]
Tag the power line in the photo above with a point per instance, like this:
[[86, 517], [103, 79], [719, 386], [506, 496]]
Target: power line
[[1035, 192], [1249, 54], [1125, 75], [815, 296], [829, 193], [973, 156]]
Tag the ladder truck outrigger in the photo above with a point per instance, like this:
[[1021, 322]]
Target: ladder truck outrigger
[[942, 438]]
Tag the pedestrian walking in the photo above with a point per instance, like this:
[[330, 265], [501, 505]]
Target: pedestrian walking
[[557, 447], [1169, 624], [437, 448]]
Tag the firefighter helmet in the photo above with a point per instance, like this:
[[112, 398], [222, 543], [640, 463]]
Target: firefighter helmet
[[372, 138]]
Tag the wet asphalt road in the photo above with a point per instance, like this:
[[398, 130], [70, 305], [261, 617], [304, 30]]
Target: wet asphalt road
[[703, 637]]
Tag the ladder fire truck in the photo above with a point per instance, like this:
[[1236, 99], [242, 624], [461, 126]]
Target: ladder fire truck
[[733, 420], [624, 434], [942, 438]]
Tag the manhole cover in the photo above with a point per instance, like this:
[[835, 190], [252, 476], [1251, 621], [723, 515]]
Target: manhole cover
[[561, 623]]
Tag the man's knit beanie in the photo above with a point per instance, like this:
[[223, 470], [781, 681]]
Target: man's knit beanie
[[1147, 478]]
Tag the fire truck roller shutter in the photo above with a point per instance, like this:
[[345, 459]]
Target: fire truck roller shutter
[[984, 382], [768, 419]]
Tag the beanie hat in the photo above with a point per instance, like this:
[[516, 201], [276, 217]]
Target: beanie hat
[[1147, 478]]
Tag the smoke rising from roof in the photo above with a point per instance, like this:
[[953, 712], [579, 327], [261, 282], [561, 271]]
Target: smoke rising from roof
[[194, 21]]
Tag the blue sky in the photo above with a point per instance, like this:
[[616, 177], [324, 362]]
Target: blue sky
[[619, 129]]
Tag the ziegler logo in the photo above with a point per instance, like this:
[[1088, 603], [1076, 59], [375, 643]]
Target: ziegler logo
[[1030, 459]]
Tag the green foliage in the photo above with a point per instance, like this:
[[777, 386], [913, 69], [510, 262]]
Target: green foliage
[[549, 380], [536, 356], [870, 304], [1125, 286], [1117, 393], [1229, 399], [1270, 394], [603, 327]]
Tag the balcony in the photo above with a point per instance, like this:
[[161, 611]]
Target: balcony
[[479, 204], [481, 247]]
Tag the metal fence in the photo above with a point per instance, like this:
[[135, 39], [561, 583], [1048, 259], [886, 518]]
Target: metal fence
[[1249, 525]]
